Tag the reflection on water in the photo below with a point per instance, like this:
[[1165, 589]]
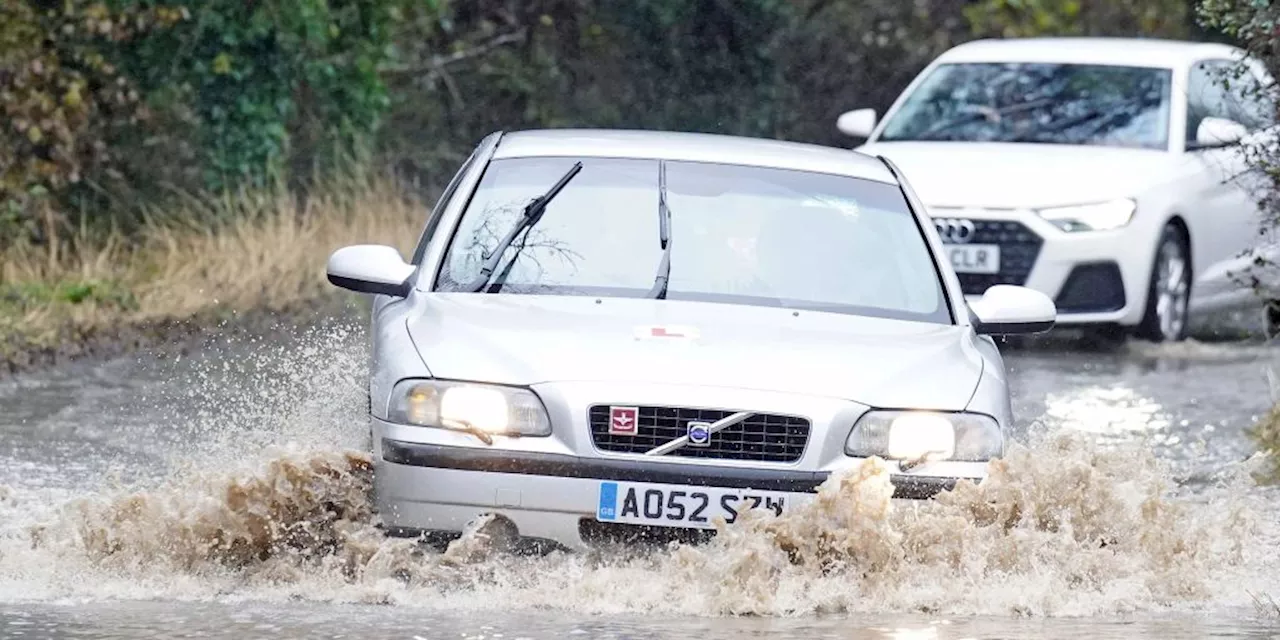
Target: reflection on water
[[1191, 401], [1106, 411]]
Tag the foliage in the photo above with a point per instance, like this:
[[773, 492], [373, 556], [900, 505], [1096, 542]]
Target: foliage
[[187, 95], [61, 96], [19, 297], [1265, 434], [1255, 27], [1023, 18], [769, 68], [267, 79]]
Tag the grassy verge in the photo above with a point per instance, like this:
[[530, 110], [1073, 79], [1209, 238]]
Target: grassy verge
[[1265, 434], [190, 266]]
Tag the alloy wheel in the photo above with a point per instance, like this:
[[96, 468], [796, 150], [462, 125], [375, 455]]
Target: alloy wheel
[[1172, 286]]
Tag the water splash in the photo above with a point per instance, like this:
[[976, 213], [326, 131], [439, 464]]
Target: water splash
[[272, 503]]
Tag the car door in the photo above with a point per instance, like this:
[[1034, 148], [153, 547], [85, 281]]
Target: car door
[[1222, 204]]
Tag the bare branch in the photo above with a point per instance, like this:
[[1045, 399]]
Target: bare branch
[[437, 64]]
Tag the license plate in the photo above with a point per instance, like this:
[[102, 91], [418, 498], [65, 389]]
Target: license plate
[[974, 258], [671, 505]]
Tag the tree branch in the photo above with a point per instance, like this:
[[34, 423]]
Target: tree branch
[[437, 64]]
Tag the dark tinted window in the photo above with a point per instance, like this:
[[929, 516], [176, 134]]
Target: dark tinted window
[[1038, 102], [1226, 89]]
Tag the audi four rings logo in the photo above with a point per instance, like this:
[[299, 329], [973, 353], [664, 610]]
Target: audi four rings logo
[[954, 230]]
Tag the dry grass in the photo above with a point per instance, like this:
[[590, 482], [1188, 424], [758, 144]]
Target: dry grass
[[1265, 434], [250, 251]]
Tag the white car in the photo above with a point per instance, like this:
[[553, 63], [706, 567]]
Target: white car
[[1101, 172], [606, 332]]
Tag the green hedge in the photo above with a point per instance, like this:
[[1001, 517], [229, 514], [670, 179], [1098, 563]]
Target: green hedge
[[115, 103]]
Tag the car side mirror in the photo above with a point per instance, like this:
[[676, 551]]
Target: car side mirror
[[857, 123], [370, 268], [1007, 309], [1219, 132]]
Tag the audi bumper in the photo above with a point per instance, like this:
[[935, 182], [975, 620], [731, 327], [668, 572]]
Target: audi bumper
[[1094, 277]]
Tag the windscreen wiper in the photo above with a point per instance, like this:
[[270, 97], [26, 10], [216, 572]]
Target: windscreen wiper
[[659, 289], [532, 213]]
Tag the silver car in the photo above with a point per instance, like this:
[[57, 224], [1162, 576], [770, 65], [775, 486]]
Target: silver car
[[620, 333]]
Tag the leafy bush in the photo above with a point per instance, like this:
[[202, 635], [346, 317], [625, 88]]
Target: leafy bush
[[110, 103], [62, 98]]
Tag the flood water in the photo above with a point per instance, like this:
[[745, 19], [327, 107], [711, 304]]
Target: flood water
[[224, 494]]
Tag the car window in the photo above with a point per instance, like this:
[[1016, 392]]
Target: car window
[[433, 220], [1046, 103], [740, 234], [1226, 89]]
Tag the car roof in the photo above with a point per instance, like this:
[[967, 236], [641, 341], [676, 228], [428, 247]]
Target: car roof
[[692, 147], [1142, 52]]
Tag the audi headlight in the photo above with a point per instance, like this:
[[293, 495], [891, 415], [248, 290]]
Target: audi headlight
[[1101, 216], [919, 435], [472, 407]]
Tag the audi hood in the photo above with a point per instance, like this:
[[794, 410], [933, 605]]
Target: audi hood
[[526, 340], [1018, 175]]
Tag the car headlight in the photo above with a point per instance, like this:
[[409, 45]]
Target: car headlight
[[1101, 216], [471, 407], [917, 435]]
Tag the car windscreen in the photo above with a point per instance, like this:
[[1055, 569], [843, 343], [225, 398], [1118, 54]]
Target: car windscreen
[[1047, 103], [739, 234]]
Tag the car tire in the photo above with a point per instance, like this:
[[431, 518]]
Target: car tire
[[1169, 289], [1271, 319]]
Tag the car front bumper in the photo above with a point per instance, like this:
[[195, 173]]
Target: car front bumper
[[424, 487], [1094, 277]]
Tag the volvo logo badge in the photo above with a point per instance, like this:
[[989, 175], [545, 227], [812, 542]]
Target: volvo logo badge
[[699, 433], [954, 230]]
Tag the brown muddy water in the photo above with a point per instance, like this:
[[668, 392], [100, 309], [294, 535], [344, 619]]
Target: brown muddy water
[[224, 494]]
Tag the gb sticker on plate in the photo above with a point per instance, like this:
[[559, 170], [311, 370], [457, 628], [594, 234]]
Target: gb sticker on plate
[[622, 420]]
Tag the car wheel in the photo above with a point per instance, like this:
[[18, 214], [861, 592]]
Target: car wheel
[[1169, 291], [1271, 319]]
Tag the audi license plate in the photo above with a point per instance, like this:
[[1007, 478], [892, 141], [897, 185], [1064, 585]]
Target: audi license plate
[[671, 505], [974, 258]]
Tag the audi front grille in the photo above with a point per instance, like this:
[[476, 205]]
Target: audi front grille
[[1019, 248]]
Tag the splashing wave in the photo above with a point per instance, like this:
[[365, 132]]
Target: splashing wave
[[1062, 527]]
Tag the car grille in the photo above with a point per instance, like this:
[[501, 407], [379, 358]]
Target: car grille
[[762, 437], [1019, 247]]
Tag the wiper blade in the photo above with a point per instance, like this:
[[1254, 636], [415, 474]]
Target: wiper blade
[[659, 289], [532, 213]]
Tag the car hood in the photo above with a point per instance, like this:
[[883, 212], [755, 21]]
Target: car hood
[[526, 340], [1007, 175]]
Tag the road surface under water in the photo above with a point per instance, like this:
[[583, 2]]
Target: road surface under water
[[224, 494]]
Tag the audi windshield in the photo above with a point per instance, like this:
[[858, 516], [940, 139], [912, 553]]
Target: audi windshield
[[738, 234], [1045, 103]]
